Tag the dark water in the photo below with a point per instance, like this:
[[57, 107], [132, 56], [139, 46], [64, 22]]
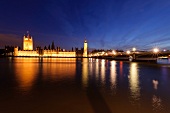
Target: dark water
[[68, 85]]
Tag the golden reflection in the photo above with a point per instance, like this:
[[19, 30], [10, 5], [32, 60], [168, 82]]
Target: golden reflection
[[85, 72], [134, 82], [113, 74], [25, 59], [26, 70], [121, 68], [56, 60], [58, 68], [90, 66], [155, 84], [157, 104], [97, 69], [103, 70]]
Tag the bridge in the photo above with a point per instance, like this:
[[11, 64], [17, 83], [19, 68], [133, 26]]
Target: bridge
[[132, 55]]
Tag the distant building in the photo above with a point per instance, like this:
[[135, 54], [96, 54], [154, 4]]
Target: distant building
[[27, 42], [9, 50], [50, 52], [2, 52], [79, 53]]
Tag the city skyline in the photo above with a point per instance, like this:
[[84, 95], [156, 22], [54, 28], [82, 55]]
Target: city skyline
[[111, 24]]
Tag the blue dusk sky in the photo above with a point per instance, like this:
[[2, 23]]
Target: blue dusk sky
[[106, 24]]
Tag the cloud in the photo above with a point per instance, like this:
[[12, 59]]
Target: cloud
[[10, 39]]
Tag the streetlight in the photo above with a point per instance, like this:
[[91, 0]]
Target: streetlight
[[134, 49], [114, 52], [128, 52], [155, 50]]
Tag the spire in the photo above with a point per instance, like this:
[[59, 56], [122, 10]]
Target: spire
[[27, 32], [28, 35], [85, 41], [53, 46], [24, 35]]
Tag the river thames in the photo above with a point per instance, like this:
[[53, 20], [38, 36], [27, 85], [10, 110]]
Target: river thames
[[83, 85]]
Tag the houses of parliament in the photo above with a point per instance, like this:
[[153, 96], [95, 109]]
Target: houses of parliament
[[28, 50]]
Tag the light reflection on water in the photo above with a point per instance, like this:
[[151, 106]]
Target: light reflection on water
[[163, 61], [134, 82], [85, 72], [157, 104], [103, 71], [121, 68], [113, 74], [54, 69], [97, 69], [58, 69], [26, 72], [55, 82]]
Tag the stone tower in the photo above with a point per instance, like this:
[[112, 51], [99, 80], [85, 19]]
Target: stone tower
[[16, 51], [27, 42], [85, 49]]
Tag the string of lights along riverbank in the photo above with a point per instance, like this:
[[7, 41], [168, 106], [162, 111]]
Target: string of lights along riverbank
[[50, 52]]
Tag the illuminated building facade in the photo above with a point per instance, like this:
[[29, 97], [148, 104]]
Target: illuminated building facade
[[27, 42], [28, 50], [85, 49]]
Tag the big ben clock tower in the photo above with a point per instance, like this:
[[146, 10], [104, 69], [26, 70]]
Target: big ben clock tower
[[85, 49]]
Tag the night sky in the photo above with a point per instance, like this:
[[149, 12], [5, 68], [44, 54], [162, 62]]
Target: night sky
[[106, 24]]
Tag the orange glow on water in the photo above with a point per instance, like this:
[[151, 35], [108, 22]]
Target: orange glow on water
[[85, 72], [113, 74], [121, 68], [26, 71], [103, 69], [57, 68], [97, 69]]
